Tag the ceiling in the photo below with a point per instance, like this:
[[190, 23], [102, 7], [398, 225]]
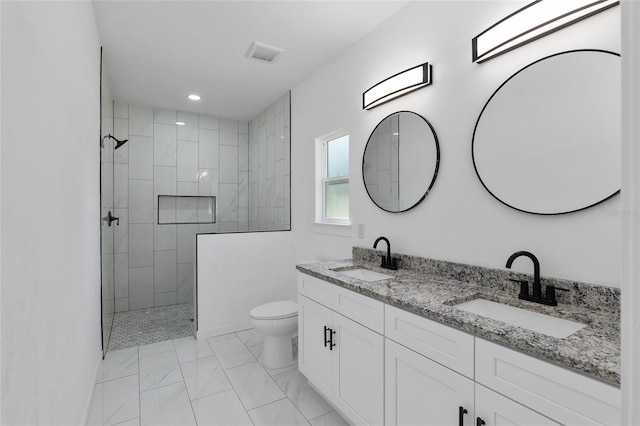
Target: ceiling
[[158, 52]]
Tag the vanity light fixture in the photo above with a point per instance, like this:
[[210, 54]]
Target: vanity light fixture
[[397, 85], [180, 123], [532, 22], [194, 97]]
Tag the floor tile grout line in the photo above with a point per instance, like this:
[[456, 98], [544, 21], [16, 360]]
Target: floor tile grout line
[[292, 402], [239, 365], [231, 383], [117, 378], [271, 377], [167, 384], [128, 420], [272, 402], [193, 412], [159, 387], [287, 395], [277, 384]]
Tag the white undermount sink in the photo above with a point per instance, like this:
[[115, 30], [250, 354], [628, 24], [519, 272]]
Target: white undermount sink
[[534, 321], [365, 274]]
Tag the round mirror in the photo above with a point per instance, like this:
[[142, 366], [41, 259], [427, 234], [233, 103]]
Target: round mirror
[[400, 161], [548, 140]]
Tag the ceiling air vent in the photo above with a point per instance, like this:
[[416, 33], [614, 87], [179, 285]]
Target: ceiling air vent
[[263, 52]]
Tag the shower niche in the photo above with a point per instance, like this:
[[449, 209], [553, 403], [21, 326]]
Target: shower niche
[[185, 209]]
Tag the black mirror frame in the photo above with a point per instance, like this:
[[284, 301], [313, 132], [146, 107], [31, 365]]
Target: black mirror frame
[[475, 128], [435, 172]]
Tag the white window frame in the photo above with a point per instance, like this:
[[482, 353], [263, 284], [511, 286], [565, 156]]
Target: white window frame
[[322, 180]]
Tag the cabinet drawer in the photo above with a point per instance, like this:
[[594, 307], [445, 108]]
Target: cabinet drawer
[[563, 395], [497, 410], [445, 345], [315, 289], [362, 309]]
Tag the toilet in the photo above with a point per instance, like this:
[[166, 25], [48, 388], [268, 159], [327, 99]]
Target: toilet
[[277, 321]]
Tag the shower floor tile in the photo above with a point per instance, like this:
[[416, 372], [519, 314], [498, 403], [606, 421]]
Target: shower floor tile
[[144, 326]]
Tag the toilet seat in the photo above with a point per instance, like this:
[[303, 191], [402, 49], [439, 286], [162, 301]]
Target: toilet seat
[[275, 310]]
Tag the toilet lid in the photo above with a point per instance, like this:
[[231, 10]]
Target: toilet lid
[[275, 310]]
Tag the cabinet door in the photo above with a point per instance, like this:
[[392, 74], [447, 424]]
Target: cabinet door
[[358, 387], [314, 358], [496, 410], [419, 391], [559, 393]]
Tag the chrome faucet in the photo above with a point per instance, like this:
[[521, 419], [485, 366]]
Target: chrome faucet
[[550, 297], [388, 262]]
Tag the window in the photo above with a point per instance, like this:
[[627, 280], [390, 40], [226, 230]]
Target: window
[[334, 179]]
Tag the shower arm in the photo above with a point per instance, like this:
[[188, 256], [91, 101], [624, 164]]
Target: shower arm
[[119, 142]]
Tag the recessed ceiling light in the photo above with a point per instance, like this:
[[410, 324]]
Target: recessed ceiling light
[[194, 97], [180, 123]]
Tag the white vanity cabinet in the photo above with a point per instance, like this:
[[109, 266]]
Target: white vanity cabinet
[[426, 373], [341, 358]]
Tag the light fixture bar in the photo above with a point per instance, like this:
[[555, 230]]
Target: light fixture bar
[[532, 22], [397, 85]]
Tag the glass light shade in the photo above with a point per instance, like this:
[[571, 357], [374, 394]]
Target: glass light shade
[[397, 85], [532, 22]]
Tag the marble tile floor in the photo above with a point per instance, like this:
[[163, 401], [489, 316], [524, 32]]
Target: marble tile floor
[[215, 381], [144, 326]]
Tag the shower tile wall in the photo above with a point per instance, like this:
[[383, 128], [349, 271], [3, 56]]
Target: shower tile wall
[[381, 164], [207, 156], [269, 168]]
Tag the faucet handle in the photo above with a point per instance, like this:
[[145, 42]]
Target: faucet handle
[[389, 263], [524, 286], [394, 263], [551, 292]]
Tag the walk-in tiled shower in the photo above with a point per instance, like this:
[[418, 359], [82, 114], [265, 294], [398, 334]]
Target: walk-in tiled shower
[[225, 176]]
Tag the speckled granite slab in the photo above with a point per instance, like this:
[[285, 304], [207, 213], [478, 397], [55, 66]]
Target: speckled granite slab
[[432, 287], [589, 296]]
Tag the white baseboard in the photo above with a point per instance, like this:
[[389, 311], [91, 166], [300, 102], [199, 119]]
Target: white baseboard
[[225, 329], [87, 407]]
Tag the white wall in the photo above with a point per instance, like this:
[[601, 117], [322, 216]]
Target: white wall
[[630, 319], [237, 272], [459, 220], [0, 229], [50, 211]]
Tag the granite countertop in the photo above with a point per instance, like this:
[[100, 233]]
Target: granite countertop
[[593, 350]]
